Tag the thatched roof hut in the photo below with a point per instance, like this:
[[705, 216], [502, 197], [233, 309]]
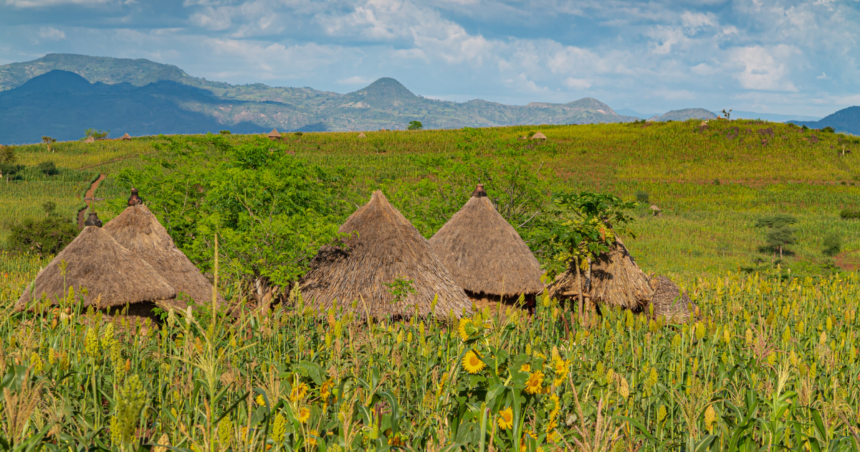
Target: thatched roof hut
[[539, 136], [669, 302], [90, 140], [616, 280], [274, 135], [112, 274], [125, 137], [362, 135], [137, 229], [484, 253], [383, 246]]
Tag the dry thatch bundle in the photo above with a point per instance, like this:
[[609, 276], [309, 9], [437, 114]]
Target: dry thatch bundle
[[125, 137], [616, 280], [112, 274], [668, 301], [362, 135], [539, 136], [137, 229], [382, 247], [274, 135], [484, 253], [90, 140]]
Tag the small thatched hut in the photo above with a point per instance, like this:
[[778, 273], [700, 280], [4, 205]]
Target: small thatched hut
[[669, 302], [125, 137], [616, 280], [274, 135], [383, 246], [485, 254], [90, 140], [112, 275], [137, 229], [539, 136], [362, 135]]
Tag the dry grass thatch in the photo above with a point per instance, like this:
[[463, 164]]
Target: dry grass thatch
[[137, 229], [95, 261], [362, 135], [484, 253], [274, 135], [616, 280], [90, 140], [539, 136], [668, 301], [383, 246], [125, 137]]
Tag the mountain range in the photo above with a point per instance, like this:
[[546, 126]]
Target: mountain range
[[846, 120], [385, 103]]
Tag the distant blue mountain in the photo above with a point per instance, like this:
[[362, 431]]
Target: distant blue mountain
[[636, 114], [771, 116], [63, 104], [846, 120]]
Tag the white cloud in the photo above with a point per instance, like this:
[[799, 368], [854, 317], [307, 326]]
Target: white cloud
[[212, 18], [44, 3], [765, 68], [51, 33], [823, 76], [355, 80], [702, 69], [577, 83]]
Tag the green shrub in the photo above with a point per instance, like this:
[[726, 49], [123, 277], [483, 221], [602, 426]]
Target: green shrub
[[225, 132], [48, 168], [849, 214], [44, 237], [832, 245], [642, 197]]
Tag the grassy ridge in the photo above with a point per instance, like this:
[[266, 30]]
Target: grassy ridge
[[712, 183]]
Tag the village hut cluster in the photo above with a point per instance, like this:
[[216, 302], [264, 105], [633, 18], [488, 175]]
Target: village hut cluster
[[131, 261], [382, 267]]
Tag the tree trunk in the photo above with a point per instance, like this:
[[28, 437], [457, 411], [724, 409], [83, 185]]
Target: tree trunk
[[579, 289]]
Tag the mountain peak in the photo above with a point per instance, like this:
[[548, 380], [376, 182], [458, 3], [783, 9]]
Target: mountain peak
[[386, 86], [385, 93]]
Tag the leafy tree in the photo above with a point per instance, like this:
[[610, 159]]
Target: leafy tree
[[271, 211], [727, 114], [50, 207], [7, 155], [415, 125], [578, 227], [49, 142], [46, 237], [8, 168], [779, 232], [48, 168], [225, 132], [832, 245], [96, 134]]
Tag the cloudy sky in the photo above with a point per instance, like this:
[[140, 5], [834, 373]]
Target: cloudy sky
[[774, 56]]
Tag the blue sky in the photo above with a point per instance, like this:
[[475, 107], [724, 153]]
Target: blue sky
[[777, 56]]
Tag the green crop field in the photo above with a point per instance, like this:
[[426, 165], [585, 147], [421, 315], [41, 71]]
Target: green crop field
[[770, 361]]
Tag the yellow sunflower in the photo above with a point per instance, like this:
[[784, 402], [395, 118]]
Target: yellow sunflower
[[299, 392], [472, 363], [312, 437], [461, 329], [325, 390], [526, 368], [304, 414], [506, 418], [535, 383]]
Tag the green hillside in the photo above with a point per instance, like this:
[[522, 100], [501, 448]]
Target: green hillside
[[712, 183]]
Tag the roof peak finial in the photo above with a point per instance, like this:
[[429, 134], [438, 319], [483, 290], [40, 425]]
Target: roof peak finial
[[479, 192], [93, 220], [134, 199]]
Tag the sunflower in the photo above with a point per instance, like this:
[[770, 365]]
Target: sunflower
[[472, 363], [506, 418], [535, 383], [304, 414], [312, 437], [461, 329], [325, 390], [526, 368], [299, 392]]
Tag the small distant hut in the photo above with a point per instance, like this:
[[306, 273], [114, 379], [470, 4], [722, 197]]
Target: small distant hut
[[539, 136], [616, 281], [112, 275], [274, 135], [90, 140], [362, 135], [138, 230], [383, 246], [669, 302], [656, 210], [485, 254], [125, 137]]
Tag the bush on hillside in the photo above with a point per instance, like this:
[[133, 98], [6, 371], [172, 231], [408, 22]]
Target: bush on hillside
[[849, 214], [832, 245], [45, 237], [48, 168], [642, 197]]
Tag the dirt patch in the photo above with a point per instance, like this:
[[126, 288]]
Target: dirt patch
[[82, 214], [848, 261]]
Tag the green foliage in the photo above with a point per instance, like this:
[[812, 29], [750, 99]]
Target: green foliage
[[271, 210], [832, 245], [7, 155], [96, 133], [45, 237], [225, 132], [400, 288], [642, 197], [779, 232], [849, 214], [50, 207], [415, 125], [48, 168]]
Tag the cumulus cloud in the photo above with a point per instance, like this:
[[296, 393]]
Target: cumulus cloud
[[765, 68], [45, 3], [51, 33], [355, 80]]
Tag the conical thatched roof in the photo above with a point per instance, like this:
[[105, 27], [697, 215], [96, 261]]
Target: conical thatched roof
[[539, 136], [668, 301], [275, 134], [125, 137], [95, 261], [383, 246], [484, 253], [137, 229], [616, 280], [90, 140]]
